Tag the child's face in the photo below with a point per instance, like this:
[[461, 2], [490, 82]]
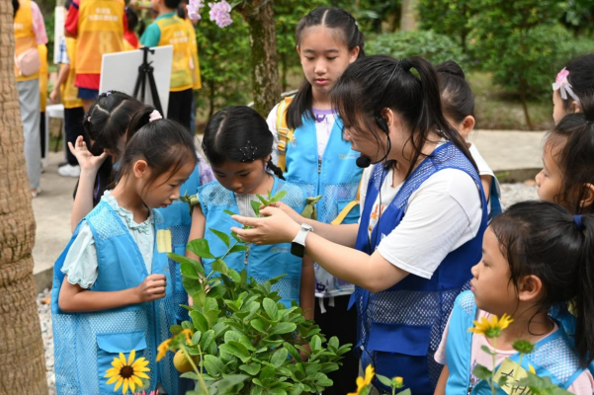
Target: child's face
[[165, 188], [493, 291], [239, 177], [550, 178], [324, 57], [558, 107]]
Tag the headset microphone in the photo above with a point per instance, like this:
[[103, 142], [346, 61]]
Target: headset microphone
[[363, 162]]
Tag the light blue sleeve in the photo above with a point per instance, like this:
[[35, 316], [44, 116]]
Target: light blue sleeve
[[81, 264]]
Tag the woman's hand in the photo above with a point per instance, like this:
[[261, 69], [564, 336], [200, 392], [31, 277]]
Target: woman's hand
[[275, 227], [294, 215], [86, 159]]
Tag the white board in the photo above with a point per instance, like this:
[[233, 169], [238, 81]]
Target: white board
[[119, 72], [59, 19]]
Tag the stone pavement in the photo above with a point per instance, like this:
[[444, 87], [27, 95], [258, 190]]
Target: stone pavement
[[515, 155]]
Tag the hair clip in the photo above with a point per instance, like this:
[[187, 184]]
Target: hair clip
[[562, 84], [248, 152], [155, 116]]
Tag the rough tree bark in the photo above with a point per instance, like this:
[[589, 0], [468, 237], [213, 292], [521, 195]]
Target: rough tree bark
[[266, 87], [22, 361]]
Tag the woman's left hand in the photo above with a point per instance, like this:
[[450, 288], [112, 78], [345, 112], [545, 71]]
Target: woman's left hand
[[275, 227]]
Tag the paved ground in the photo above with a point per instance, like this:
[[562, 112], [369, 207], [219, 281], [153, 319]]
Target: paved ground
[[516, 154]]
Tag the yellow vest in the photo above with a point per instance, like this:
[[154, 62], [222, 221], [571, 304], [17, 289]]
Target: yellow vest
[[100, 31], [24, 36], [175, 32], [42, 77], [69, 91], [128, 46], [195, 63]]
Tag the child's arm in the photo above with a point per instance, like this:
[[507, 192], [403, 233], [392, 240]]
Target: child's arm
[[441, 383], [197, 229], [89, 166], [62, 76], [74, 298], [307, 295]]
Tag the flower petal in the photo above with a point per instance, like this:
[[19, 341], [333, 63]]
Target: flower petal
[[132, 357], [113, 379], [132, 384], [142, 375], [125, 389], [136, 380], [119, 383]]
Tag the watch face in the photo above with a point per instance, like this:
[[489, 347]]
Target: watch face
[[307, 227], [297, 249]]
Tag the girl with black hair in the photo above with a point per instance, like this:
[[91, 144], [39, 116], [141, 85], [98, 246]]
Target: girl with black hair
[[457, 104], [423, 217], [238, 145], [536, 257], [573, 89], [567, 177], [313, 155], [112, 289]]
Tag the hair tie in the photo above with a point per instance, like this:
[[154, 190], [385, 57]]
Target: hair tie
[[155, 116], [87, 117], [405, 64], [577, 220]]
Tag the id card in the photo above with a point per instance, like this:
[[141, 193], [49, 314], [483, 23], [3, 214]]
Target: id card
[[164, 240]]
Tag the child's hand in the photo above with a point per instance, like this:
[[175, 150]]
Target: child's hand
[[86, 159], [55, 95], [295, 216], [152, 288]]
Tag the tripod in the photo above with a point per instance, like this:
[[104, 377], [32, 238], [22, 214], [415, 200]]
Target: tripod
[[146, 70]]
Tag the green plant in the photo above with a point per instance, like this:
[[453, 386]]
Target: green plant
[[432, 46], [248, 342]]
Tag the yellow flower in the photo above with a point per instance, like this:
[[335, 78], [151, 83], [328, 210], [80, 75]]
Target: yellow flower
[[491, 328], [364, 382], [127, 373], [188, 334], [163, 347], [531, 369], [398, 382]]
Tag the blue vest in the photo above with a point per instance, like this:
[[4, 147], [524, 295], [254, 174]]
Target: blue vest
[[553, 356], [494, 200], [336, 177], [262, 262], [178, 219], [399, 329], [85, 344]]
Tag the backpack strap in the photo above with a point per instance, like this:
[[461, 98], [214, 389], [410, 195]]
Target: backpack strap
[[347, 209], [285, 134]]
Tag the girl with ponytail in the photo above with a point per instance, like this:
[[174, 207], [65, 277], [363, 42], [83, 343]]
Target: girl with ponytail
[[423, 217], [238, 145], [537, 259]]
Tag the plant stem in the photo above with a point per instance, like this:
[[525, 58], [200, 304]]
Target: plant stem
[[493, 370], [198, 373]]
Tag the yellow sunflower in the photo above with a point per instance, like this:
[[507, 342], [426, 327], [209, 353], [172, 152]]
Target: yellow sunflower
[[362, 383], [188, 334], [493, 327], [128, 372], [163, 348]]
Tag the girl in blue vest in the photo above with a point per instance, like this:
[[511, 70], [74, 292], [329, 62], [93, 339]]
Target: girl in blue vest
[[424, 214], [112, 290], [314, 156], [536, 256], [238, 144], [457, 103]]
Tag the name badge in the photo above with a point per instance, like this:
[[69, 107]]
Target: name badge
[[514, 373], [164, 240]]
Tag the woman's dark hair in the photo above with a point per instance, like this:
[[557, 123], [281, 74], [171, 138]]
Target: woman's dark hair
[[15, 7], [238, 134], [457, 100], [581, 78], [332, 18], [572, 145], [373, 83], [132, 17], [165, 145], [543, 239]]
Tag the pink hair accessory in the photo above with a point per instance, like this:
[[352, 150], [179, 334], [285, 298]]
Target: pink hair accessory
[[562, 84], [155, 116]]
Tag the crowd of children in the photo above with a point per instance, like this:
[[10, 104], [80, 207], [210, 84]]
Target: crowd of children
[[409, 246]]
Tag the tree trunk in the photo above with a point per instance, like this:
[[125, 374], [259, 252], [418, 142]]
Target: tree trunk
[[266, 88], [22, 360], [408, 18]]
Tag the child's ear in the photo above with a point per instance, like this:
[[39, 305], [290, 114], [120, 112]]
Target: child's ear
[[529, 288], [140, 168], [575, 107], [354, 54], [588, 196], [467, 125]]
